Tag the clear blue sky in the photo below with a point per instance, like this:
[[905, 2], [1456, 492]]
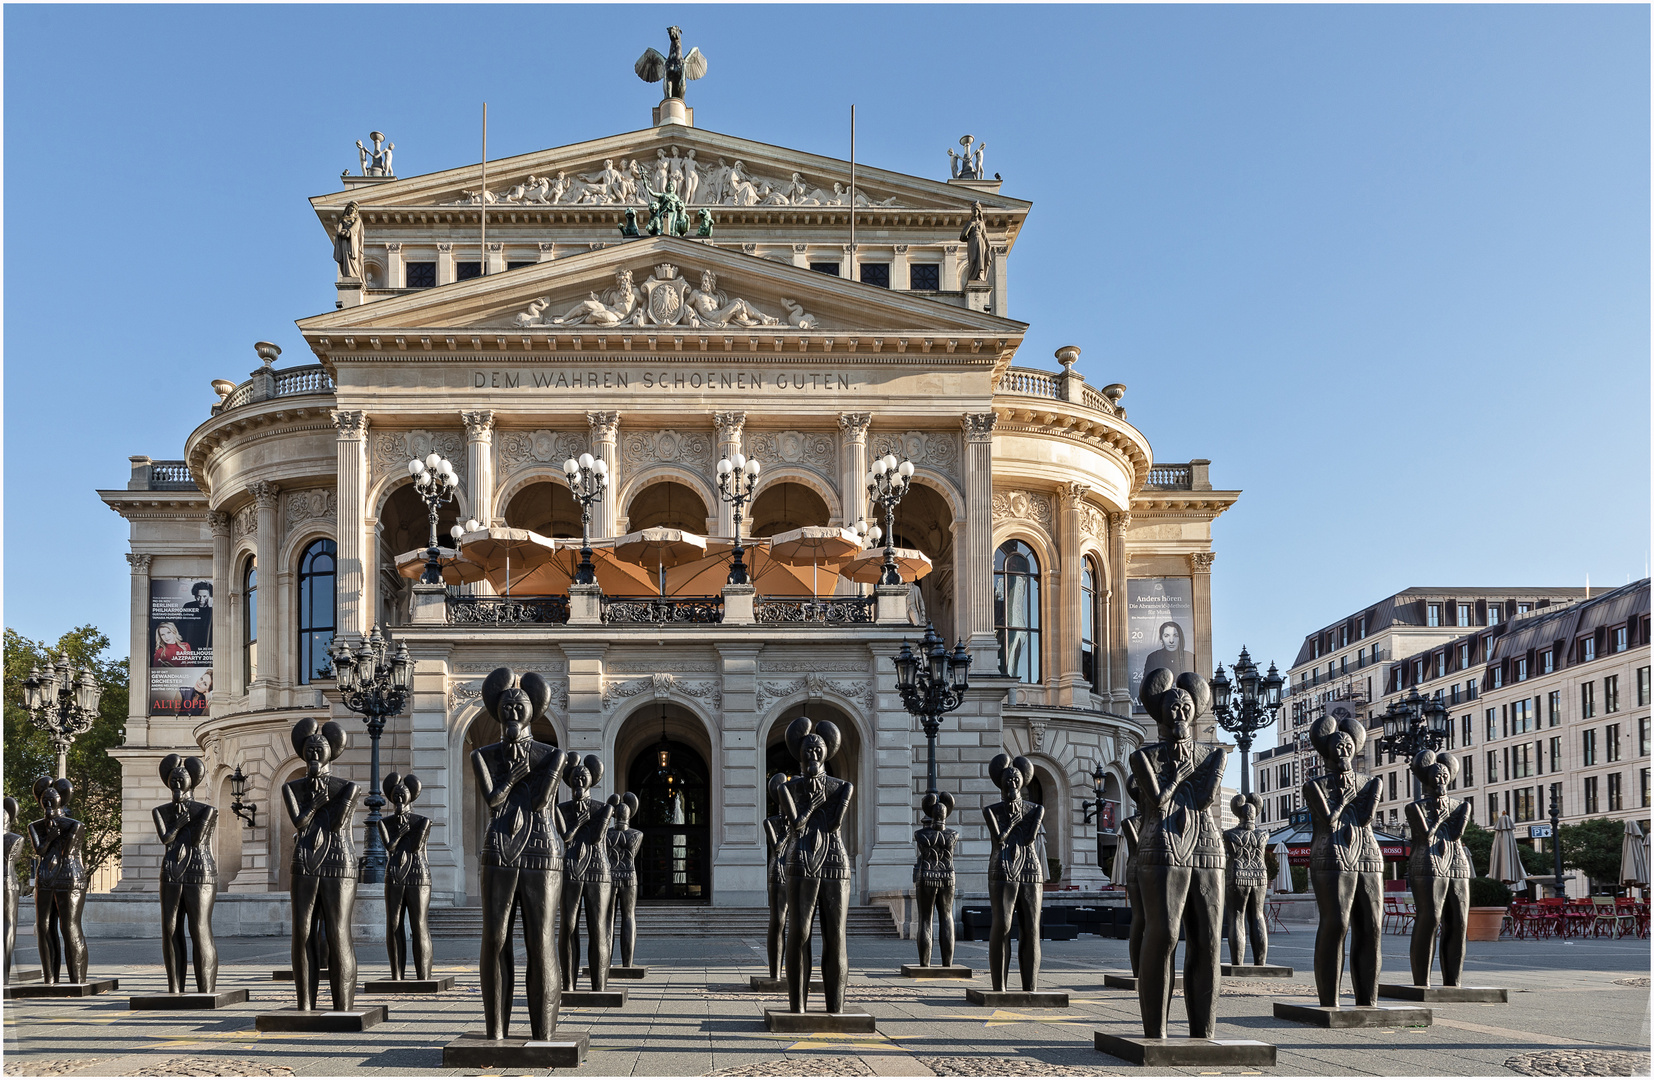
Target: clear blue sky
[[1388, 266]]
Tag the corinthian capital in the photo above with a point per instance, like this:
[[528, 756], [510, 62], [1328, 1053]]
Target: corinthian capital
[[1200, 562], [1073, 495], [352, 423], [604, 424], [979, 426], [729, 424], [219, 522], [140, 563], [1120, 521], [854, 424], [479, 425], [265, 492]]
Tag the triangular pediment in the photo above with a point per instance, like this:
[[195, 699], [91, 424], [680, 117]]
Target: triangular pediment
[[665, 286], [712, 169]]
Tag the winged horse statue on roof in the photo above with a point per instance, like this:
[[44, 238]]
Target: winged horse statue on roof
[[675, 69]]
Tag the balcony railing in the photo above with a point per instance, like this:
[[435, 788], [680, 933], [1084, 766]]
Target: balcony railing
[[507, 611], [1030, 382], [659, 611], [171, 476], [291, 382], [836, 611], [1173, 477]]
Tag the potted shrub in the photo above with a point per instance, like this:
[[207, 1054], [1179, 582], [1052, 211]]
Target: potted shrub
[[1054, 870], [1489, 900]]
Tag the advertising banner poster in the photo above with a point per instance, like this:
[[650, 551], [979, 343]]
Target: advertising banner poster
[[1160, 627], [180, 646]]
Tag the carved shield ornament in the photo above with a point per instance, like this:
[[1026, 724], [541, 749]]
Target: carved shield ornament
[[664, 296]]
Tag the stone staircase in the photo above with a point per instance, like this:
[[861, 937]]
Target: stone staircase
[[662, 920]]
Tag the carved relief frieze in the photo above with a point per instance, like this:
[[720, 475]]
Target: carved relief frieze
[[462, 694], [937, 450], [1094, 523], [392, 450], [817, 449], [1032, 506], [246, 522], [664, 684], [846, 667], [639, 449], [303, 506], [515, 448], [815, 685], [632, 667], [669, 297], [487, 666]]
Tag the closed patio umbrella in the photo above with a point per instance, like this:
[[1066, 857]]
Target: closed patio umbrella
[[1633, 856], [869, 565], [1118, 872], [1283, 872], [456, 568], [1505, 863]]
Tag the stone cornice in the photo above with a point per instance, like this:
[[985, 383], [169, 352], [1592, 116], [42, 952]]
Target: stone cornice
[[155, 505], [253, 423], [415, 345], [1181, 504], [1076, 423]]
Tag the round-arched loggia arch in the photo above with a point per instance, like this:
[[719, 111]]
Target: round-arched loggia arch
[[783, 506], [845, 765], [483, 730], [667, 504], [546, 507], [664, 753]]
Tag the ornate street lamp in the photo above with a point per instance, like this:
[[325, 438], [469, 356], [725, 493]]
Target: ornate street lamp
[[588, 478], [1412, 725], [375, 682], [887, 481], [62, 704], [737, 476], [932, 683], [1093, 809], [238, 792], [1256, 708], [435, 481]]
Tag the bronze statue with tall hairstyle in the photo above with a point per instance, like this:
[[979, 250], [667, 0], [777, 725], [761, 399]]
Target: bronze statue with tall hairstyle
[[584, 824], [1179, 855], [14, 888], [933, 877], [407, 879], [1015, 876], [623, 843], [1130, 831], [1248, 879], [1440, 869], [522, 853], [1346, 867], [818, 866], [189, 876], [59, 883], [324, 866], [775, 878]]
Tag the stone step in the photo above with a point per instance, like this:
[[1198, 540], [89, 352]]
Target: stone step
[[679, 920]]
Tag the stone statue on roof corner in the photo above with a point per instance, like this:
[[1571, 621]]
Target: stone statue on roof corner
[[674, 69]]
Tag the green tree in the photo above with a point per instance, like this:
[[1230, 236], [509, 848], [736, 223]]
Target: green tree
[[28, 754], [1593, 846]]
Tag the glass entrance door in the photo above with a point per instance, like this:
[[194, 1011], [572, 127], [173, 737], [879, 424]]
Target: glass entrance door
[[670, 781]]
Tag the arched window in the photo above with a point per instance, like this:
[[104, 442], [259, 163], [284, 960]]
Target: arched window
[[1089, 657], [249, 624], [1016, 610], [316, 576]]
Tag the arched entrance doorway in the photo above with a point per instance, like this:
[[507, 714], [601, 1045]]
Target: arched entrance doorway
[[845, 765], [666, 750], [483, 730]]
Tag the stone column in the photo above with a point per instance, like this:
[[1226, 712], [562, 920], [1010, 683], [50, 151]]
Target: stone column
[[1071, 684], [479, 463], [355, 608], [731, 426], [444, 264], [262, 695], [976, 582], [950, 268], [900, 276], [852, 487], [738, 780], [1200, 574], [1119, 688], [224, 649], [605, 440], [137, 703]]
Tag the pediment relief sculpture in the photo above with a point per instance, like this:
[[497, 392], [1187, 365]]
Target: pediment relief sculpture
[[666, 298]]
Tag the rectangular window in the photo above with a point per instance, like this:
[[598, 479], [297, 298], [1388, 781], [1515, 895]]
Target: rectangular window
[[1418, 672], [1523, 609], [876, 274], [1361, 632], [1556, 753], [1464, 615], [1588, 747], [1492, 807], [1547, 661], [1392, 785], [1432, 614], [1590, 795], [1464, 655], [1587, 649], [1642, 737], [1343, 636], [419, 275], [1642, 686], [825, 268], [1493, 614], [1521, 762], [1611, 742], [1620, 637], [1283, 776], [1263, 780], [1498, 677], [1492, 767], [1468, 769], [1587, 700], [1524, 804], [1487, 647], [1616, 799], [1361, 657], [1553, 708], [1285, 806], [1470, 690], [1464, 722], [1645, 791], [924, 277], [1441, 664], [1457, 692], [1521, 716], [1611, 694], [516, 264], [1520, 669], [1492, 725], [465, 271]]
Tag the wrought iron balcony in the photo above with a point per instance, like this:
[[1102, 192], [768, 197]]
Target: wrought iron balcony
[[826, 611], [659, 611], [507, 610]]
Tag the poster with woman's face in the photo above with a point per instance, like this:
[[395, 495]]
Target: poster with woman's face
[[179, 647], [1160, 624]]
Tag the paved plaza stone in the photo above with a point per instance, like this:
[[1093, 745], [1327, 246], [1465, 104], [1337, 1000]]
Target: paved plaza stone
[[1577, 1008]]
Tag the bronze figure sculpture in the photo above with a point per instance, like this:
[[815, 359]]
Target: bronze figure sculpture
[[1346, 867], [1130, 830], [623, 843], [1179, 855], [522, 854], [584, 825], [818, 867], [775, 877], [1015, 876], [320, 806], [14, 848], [59, 883], [674, 69], [1440, 869], [933, 877], [189, 876], [407, 879], [1248, 879]]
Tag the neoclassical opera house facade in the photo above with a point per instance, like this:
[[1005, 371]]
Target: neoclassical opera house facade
[[1060, 549]]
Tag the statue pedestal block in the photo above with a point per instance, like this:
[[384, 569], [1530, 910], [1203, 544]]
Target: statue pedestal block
[[850, 1021], [188, 1001], [409, 986], [63, 989], [1129, 982], [1015, 999], [296, 1019], [1256, 971], [766, 985], [925, 971], [1192, 1053], [23, 975], [1352, 1016], [617, 971], [1486, 995], [474, 1051], [594, 999]]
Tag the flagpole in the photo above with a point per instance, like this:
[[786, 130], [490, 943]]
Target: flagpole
[[852, 193], [483, 265]]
